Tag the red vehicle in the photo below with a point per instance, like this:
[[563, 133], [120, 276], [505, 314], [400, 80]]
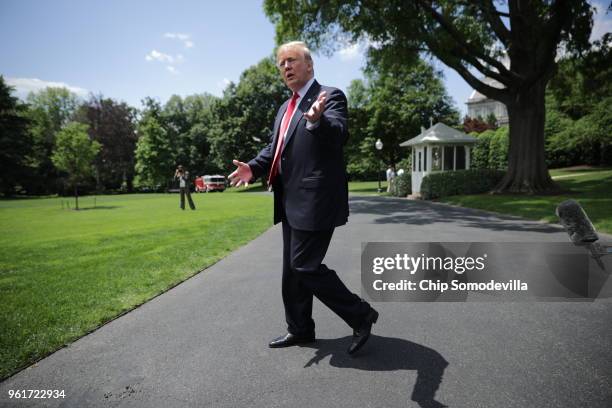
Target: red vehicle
[[206, 184]]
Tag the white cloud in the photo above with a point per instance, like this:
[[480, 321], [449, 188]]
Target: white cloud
[[159, 56], [23, 86], [602, 22], [169, 60], [178, 36], [184, 38], [350, 52]]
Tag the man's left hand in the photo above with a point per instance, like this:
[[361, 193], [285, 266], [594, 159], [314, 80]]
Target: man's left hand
[[317, 108]]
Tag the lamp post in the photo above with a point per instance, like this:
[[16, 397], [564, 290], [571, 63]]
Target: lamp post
[[379, 146]]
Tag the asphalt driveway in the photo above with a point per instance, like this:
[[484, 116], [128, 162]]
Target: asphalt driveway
[[204, 343]]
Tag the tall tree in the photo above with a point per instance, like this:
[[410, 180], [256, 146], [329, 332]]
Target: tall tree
[[113, 125], [359, 164], [245, 116], [176, 123], [392, 105], [74, 154], [177, 133], [199, 111], [578, 122], [469, 37], [583, 81], [50, 109], [155, 151], [15, 141], [403, 98]]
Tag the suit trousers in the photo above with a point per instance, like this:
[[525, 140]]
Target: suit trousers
[[185, 191], [304, 275]]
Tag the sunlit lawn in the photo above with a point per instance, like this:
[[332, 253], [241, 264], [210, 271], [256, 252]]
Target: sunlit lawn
[[367, 188], [65, 272], [355, 187], [592, 188]]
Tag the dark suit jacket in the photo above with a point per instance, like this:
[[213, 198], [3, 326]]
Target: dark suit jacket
[[312, 190]]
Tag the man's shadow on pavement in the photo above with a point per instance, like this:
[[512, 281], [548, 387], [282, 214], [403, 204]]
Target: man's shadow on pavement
[[388, 354]]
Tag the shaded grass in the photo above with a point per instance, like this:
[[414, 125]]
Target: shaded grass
[[591, 187], [64, 272]]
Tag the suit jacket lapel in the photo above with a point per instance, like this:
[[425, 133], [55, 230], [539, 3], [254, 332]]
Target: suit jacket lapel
[[304, 105]]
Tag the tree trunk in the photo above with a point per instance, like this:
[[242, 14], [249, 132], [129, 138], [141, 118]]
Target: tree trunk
[[527, 171], [76, 197]]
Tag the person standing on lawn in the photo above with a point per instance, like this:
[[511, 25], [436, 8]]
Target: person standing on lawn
[[183, 177]]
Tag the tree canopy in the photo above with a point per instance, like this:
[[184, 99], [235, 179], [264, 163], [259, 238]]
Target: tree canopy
[[74, 154], [113, 125], [155, 155], [49, 110], [15, 141], [392, 105], [243, 119], [473, 38]]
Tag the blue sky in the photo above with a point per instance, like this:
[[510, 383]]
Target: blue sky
[[130, 49]]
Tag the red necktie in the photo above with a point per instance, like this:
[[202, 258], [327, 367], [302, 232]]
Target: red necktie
[[281, 137]]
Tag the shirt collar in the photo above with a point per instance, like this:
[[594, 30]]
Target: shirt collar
[[306, 87]]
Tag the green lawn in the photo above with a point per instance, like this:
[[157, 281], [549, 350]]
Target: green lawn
[[355, 187], [64, 272], [591, 187], [367, 187]]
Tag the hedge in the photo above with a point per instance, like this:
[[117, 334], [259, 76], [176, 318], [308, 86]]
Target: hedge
[[491, 150], [402, 185], [473, 181]]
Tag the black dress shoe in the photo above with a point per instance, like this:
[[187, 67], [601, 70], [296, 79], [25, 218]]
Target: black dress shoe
[[361, 335], [289, 340]]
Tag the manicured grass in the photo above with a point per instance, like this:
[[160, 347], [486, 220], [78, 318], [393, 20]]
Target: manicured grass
[[367, 188], [64, 272], [255, 187], [591, 187], [355, 187]]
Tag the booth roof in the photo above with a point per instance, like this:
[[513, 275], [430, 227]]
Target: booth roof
[[440, 134]]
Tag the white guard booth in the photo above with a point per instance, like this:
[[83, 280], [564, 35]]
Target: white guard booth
[[439, 148]]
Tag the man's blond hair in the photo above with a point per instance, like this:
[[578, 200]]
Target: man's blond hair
[[296, 44]]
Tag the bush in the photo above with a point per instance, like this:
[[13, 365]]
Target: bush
[[402, 185], [498, 149], [448, 183], [562, 150], [491, 150], [405, 164], [479, 154], [586, 140]]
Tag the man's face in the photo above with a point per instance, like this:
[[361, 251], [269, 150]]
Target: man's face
[[294, 68]]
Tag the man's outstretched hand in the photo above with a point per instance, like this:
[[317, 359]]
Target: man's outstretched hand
[[317, 108], [242, 174]]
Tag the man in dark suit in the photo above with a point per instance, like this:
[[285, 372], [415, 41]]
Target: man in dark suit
[[307, 173]]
